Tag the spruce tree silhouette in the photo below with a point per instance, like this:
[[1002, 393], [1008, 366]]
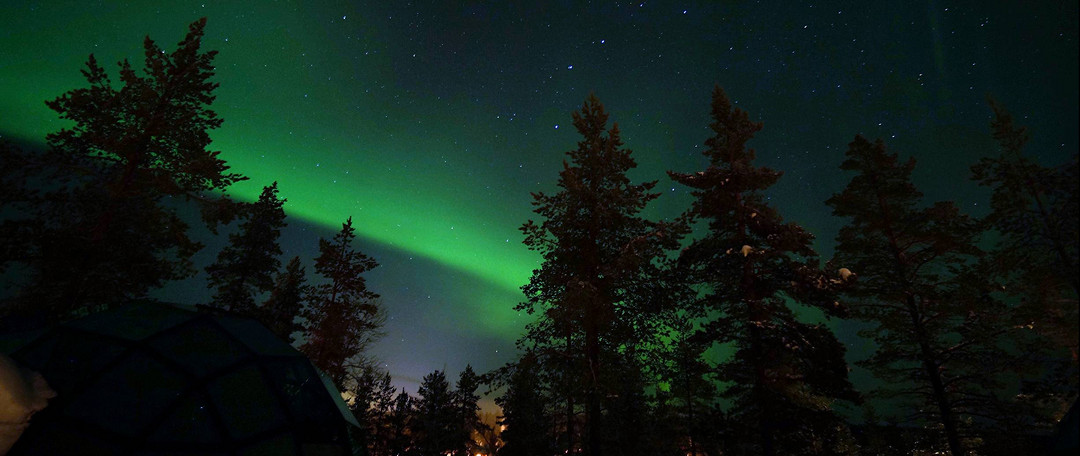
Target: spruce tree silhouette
[[598, 264], [245, 268], [785, 374], [468, 411], [907, 257], [524, 411], [343, 316], [1036, 213], [286, 301], [104, 229], [436, 422]]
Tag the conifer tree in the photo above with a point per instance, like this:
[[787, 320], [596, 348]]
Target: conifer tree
[[598, 258], [752, 266], [1036, 215], [556, 347], [1035, 208], [343, 316], [524, 414], [245, 268], [107, 234], [286, 301], [436, 424], [402, 421], [940, 346], [373, 405], [692, 392], [468, 411]]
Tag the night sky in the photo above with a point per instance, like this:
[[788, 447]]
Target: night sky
[[431, 122]]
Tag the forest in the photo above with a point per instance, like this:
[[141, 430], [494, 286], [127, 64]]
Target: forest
[[709, 334]]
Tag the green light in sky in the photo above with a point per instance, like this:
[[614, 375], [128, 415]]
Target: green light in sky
[[337, 150], [427, 217]]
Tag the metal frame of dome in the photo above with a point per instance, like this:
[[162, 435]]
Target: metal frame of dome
[[154, 378]]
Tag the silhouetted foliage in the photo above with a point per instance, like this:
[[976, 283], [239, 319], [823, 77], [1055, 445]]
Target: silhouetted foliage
[[436, 426], [524, 413], [468, 418], [245, 268], [687, 404], [593, 289], [941, 342], [1035, 215], [1035, 208], [286, 301], [343, 316], [373, 404], [103, 230], [974, 351], [402, 438], [785, 374]]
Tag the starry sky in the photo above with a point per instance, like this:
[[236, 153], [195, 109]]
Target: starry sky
[[430, 122]]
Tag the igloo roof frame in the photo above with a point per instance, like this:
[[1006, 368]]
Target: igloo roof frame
[[125, 375]]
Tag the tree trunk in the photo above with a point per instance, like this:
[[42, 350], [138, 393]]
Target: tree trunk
[[948, 420], [592, 394], [569, 396], [929, 362]]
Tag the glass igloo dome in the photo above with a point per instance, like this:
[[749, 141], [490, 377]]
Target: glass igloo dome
[[157, 379]]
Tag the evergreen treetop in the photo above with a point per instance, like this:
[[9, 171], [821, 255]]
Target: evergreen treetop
[[343, 316], [245, 267], [151, 135], [594, 286], [286, 301], [751, 267], [103, 230], [941, 342]]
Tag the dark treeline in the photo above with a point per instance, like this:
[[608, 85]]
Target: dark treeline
[[709, 334]]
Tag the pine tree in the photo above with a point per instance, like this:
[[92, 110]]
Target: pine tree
[[525, 416], [245, 268], [692, 392], [598, 260], [106, 233], [286, 301], [343, 316], [556, 347], [1036, 217], [373, 405], [752, 266], [468, 411], [1035, 208], [402, 421], [940, 342], [436, 424]]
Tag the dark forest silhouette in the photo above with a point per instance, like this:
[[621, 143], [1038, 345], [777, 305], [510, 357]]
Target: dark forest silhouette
[[973, 321]]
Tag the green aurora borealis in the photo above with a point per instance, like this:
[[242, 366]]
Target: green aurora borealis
[[430, 124]]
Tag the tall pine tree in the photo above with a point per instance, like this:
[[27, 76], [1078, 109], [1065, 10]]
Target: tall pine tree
[[1036, 217], [785, 374], [1035, 208], [598, 258], [402, 421], [343, 316], [468, 411], [437, 423], [525, 414], [107, 233], [286, 301], [940, 345], [373, 406], [245, 268]]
